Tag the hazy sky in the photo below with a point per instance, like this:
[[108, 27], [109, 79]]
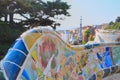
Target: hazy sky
[[94, 12]]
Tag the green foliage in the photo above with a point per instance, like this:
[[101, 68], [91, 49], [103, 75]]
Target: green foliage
[[115, 26], [91, 38], [7, 36], [3, 49], [111, 23], [84, 42], [118, 19], [87, 32], [7, 33], [2, 76]]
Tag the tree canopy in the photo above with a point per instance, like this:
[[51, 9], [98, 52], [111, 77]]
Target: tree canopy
[[39, 12]]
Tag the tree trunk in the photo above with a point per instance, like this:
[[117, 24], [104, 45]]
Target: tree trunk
[[6, 17], [11, 18]]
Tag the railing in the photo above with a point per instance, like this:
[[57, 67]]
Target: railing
[[40, 54]]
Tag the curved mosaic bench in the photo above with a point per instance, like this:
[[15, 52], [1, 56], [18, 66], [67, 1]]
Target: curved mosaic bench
[[40, 54]]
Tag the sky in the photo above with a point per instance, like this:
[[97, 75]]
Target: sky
[[93, 12]]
